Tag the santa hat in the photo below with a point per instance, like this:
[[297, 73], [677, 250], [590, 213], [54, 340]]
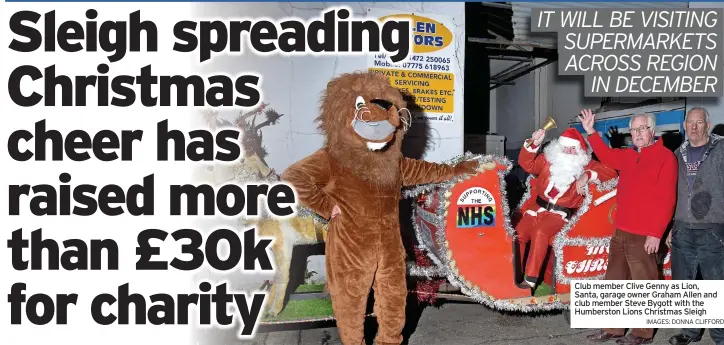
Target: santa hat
[[572, 137]]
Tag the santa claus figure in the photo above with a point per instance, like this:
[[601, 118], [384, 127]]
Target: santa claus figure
[[562, 172]]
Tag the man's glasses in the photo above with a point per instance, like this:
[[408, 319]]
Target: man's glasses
[[640, 129]]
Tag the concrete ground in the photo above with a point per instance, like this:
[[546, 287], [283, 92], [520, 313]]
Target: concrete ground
[[452, 323]]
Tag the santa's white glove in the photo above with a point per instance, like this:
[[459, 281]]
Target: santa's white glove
[[581, 184]]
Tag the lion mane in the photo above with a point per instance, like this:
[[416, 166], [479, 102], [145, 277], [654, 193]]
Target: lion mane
[[348, 151]]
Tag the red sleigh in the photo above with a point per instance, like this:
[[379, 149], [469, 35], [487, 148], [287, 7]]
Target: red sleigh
[[466, 228]]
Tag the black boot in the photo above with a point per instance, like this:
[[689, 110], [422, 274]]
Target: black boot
[[527, 283], [682, 339]]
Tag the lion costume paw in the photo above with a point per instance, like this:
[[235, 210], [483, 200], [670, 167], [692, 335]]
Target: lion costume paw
[[466, 167]]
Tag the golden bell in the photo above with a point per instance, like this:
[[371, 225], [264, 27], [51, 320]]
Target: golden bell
[[550, 124]]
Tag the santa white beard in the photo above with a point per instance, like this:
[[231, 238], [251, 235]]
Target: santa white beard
[[565, 168]]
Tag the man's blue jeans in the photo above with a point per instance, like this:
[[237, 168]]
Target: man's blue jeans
[[698, 249]]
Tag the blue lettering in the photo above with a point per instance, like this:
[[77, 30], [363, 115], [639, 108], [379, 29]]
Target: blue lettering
[[420, 27], [431, 28], [423, 27], [435, 41]]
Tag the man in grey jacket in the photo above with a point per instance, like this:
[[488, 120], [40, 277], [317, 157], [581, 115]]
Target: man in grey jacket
[[697, 238]]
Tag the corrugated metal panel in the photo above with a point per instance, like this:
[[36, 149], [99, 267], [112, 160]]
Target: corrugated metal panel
[[522, 12]]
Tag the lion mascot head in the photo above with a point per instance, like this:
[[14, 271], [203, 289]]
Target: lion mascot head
[[364, 119]]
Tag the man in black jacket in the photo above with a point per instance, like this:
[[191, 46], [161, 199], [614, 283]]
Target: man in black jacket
[[697, 239]]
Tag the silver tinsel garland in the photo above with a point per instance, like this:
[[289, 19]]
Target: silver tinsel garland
[[526, 196], [432, 253], [562, 240], [427, 272], [304, 212], [446, 266], [441, 257], [607, 185]]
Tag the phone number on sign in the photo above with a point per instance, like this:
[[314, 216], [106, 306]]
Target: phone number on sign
[[425, 66], [428, 59]]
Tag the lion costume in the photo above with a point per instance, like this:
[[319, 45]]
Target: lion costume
[[361, 170]]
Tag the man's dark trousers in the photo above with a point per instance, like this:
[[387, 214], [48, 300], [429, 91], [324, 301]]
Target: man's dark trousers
[[701, 249], [628, 260]]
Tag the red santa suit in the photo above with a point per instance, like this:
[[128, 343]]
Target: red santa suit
[[557, 199]]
